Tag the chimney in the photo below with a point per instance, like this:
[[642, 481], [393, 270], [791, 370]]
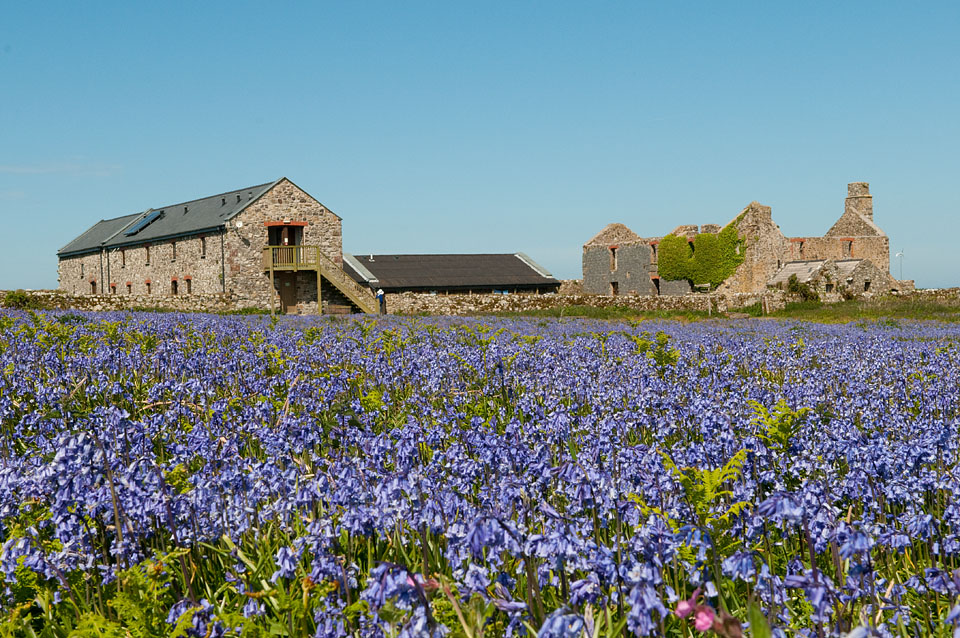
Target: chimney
[[859, 200]]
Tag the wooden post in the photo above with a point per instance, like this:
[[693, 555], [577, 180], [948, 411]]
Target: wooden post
[[319, 292], [273, 288]]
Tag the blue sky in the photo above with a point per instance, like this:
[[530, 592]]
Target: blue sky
[[483, 127]]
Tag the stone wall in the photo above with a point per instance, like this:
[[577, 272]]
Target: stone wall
[[875, 248], [148, 269], [410, 303], [244, 245], [763, 248], [634, 263]]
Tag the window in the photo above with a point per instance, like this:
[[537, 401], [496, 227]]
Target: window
[[123, 259], [147, 248], [93, 286], [81, 269], [848, 249], [801, 250], [866, 286], [614, 288], [173, 287], [173, 251], [656, 284], [829, 288], [653, 253], [189, 283], [113, 289], [613, 258], [147, 283], [203, 248], [129, 287]]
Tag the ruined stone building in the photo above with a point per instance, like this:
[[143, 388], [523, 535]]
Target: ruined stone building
[[270, 245], [852, 257]]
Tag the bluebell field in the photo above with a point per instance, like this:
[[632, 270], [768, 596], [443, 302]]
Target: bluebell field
[[192, 475]]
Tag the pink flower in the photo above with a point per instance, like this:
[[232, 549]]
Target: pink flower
[[685, 607], [703, 618]]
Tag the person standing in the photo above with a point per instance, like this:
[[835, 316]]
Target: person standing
[[382, 301]]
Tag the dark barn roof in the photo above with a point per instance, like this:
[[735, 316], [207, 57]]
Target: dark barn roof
[[394, 273], [174, 220]]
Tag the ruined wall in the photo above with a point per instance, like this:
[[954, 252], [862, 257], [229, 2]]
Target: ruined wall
[[635, 262], [763, 250], [875, 248], [244, 246]]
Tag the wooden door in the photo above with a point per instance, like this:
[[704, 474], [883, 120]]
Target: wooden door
[[287, 282]]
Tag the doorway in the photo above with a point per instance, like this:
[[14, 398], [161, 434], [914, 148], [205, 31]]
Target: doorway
[[287, 287]]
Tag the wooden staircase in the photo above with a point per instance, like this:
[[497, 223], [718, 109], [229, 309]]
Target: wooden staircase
[[287, 258]]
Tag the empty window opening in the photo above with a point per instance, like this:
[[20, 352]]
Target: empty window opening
[[203, 248], [81, 269], [123, 259], [129, 288], [148, 255], [613, 258], [656, 284], [173, 288], [690, 243], [848, 249], [801, 250], [653, 253], [829, 287], [173, 251], [614, 288], [93, 287], [866, 286], [113, 289], [149, 288], [189, 285]]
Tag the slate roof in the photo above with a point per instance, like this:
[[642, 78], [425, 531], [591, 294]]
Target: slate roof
[[448, 272], [804, 270], [185, 218]]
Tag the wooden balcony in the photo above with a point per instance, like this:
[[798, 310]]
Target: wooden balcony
[[294, 258], [291, 258]]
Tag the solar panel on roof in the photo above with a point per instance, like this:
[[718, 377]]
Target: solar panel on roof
[[143, 223]]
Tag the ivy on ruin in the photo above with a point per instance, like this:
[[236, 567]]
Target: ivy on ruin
[[711, 260]]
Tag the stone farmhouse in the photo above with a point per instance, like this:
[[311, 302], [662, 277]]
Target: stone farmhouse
[[853, 257], [268, 245]]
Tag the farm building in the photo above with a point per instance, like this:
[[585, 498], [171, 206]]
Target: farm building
[[272, 244], [477, 273], [749, 254]]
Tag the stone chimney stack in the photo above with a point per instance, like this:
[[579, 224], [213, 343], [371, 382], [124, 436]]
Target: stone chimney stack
[[859, 200]]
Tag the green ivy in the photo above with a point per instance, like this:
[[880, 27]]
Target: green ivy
[[713, 258]]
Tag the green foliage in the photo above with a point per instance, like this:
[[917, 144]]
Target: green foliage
[[779, 425], [713, 258], [19, 299], [662, 354], [803, 290], [704, 489]]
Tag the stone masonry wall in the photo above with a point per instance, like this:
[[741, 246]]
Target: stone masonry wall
[[763, 250], [876, 249], [632, 274], [419, 303], [194, 262], [244, 246]]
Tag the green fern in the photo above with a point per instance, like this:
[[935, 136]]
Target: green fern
[[778, 426]]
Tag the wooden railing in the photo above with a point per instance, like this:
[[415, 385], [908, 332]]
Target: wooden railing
[[291, 257], [311, 258]]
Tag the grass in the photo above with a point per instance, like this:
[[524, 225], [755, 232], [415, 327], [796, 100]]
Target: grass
[[873, 309], [610, 313]]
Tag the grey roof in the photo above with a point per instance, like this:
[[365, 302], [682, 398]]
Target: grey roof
[[449, 272], [185, 218], [847, 266], [804, 270]]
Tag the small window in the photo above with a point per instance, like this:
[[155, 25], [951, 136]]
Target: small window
[[866, 286], [189, 285], [149, 288], [653, 253], [656, 284], [829, 287], [801, 250], [81, 269], [173, 251], [173, 288], [148, 254], [692, 249], [113, 289], [123, 259], [129, 288], [614, 288], [93, 287], [848, 249], [203, 248], [613, 258]]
